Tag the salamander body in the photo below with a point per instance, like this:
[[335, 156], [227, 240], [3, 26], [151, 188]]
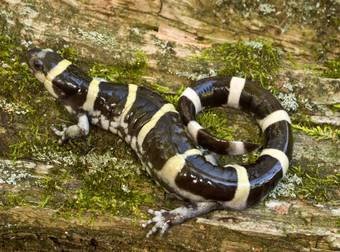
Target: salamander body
[[166, 140]]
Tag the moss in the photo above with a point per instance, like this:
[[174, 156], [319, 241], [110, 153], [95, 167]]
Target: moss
[[19, 88], [316, 186], [35, 133], [100, 181], [332, 69], [15, 77], [336, 107], [128, 70], [69, 53], [173, 97], [309, 183], [53, 186], [257, 60], [319, 132], [11, 199], [107, 185], [216, 123], [114, 188]]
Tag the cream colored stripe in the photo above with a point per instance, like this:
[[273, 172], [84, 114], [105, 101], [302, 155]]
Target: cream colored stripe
[[235, 90], [153, 121], [237, 148], [92, 94], [58, 69], [131, 98], [192, 152], [193, 128], [276, 116], [280, 156], [243, 188], [55, 71], [172, 167], [194, 98]]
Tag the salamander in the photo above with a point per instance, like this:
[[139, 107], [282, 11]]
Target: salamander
[[167, 140]]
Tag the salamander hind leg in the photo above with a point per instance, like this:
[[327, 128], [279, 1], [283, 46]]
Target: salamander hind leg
[[162, 220]]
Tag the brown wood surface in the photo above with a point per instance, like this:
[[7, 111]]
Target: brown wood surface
[[101, 29]]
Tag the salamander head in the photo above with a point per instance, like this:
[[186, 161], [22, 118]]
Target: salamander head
[[57, 74]]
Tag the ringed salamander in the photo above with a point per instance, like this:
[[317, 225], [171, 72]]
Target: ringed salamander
[[166, 140]]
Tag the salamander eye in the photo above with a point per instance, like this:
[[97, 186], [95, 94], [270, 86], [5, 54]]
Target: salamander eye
[[38, 65]]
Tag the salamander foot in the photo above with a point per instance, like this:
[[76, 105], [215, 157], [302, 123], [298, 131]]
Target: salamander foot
[[162, 220]]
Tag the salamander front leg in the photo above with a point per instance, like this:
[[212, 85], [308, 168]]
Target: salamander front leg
[[74, 131], [164, 219]]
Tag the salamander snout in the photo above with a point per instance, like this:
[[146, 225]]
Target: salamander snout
[[42, 60], [58, 75]]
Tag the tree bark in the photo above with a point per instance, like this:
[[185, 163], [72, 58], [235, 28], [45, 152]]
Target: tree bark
[[98, 30]]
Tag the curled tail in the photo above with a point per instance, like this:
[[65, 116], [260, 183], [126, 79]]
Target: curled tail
[[192, 101], [237, 185]]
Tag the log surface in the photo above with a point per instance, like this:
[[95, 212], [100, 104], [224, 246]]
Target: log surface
[[99, 30]]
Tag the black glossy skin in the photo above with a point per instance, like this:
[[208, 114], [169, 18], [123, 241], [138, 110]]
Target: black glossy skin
[[266, 171], [169, 136], [164, 141]]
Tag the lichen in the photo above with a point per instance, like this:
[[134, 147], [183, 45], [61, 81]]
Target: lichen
[[286, 16], [287, 187], [308, 183], [166, 47], [11, 107], [100, 38], [316, 13], [11, 174], [266, 9], [288, 101]]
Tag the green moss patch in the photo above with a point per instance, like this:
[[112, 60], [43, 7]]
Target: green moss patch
[[257, 60], [316, 186], [106, 185], [17, 82], [319, 132], [127, 70], [309, 183], [336, 107], [332, 69], [69, 53], [11, 199], [217, 124]]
